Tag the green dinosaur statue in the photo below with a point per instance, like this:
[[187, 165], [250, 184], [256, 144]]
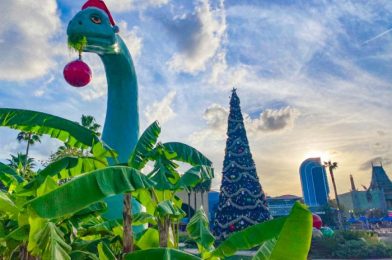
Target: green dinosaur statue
[[121, 129]]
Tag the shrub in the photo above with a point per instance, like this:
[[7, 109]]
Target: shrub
[[350, 244]]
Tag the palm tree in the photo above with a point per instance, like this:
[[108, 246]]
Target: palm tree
[[66, 150], [22, 165], [331, 167], [30, 138], [90, 123]]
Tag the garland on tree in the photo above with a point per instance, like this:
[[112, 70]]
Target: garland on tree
[[242, 202]]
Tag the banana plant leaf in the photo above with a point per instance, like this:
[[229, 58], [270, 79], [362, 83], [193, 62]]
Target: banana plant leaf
[[8, 175], [19, 234], [83, 255], [250, 237], [46, 187], [7, 205], [164, 172], [144, 146], [87, 189], [198, 230], [67, 167], [149, 239], [104, 252], [101, 228], [187, 154], [142, 218], [161, 253], [195, 175], [294, 239], [168, 209], [292, 233], [98, 207], [51, 241], [145, 198], [265, 251], [65, 130], [165, 178]]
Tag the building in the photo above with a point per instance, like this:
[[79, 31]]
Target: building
[[377, 197], [281, 205], [359, 202], [314, 182], [381, 182]]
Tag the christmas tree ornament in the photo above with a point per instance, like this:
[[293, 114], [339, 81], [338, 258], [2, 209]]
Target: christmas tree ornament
[[317, 222], [77, 73], [232, 227]]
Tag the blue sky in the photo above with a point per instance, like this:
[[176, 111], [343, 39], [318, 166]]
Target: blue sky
[[313, 77]]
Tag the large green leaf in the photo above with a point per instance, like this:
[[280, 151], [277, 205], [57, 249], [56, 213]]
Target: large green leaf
[[87, 189], [51, 242], [295, 237], [142, 218], [97, 207], [265, 250], [250, 237], [187, 154], [160, 253], [149, 239], [19, 234], [198, 230], [7, 205], [196, 175], [104, 252], [8, 175], [67, 167], [144, 146], [292, 235], [164, 173], [168, 209], [83, 255], [101, 228], [65, 130]]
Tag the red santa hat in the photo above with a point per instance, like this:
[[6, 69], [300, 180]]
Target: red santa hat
[[100, 4]]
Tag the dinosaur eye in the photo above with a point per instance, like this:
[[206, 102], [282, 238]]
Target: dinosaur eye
[[96, 19]]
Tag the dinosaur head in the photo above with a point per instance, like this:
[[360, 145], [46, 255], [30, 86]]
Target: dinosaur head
[[93, 26]]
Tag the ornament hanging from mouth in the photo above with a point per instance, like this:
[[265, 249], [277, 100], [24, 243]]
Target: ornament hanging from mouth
[[77, 73]]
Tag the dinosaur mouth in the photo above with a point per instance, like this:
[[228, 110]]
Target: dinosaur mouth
[[93, 43]]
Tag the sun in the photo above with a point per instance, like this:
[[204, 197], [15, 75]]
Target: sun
[[323, 155]]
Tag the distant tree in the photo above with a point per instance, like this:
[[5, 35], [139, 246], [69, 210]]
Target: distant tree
[[331, 167], [66, 150], [90, 123], [22, 165], [29, 138]]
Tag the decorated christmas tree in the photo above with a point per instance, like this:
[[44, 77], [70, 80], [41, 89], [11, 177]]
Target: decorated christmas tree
[[242, 202]]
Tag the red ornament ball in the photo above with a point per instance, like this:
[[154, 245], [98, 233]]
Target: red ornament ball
[[77, 73], [232, 227], [317, 222]]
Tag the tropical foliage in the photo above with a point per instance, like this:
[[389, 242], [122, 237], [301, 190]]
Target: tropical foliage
[[56, 213]]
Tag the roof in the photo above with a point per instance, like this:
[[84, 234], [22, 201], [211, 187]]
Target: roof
[[286, 197], [380, 180]]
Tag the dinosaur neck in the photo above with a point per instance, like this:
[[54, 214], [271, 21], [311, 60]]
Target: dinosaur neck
[[121, 129]]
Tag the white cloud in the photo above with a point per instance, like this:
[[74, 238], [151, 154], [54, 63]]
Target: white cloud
[[26, 31], [216, 116], [120, 6], [199, 35], [161, 110], [132, 39], [275, 119]]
